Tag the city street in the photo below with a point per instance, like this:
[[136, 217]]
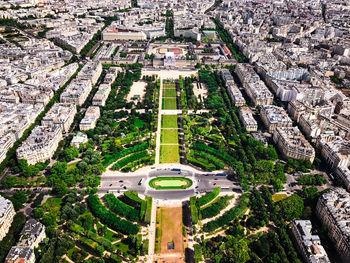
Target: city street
[[139, 183]]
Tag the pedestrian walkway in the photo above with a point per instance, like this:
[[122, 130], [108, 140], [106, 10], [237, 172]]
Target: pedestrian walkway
[[159, 127]]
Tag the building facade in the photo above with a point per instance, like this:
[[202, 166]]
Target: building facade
[[7, 212], [333, 209]]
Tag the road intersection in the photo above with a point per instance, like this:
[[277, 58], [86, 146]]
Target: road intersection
[[202, 182]]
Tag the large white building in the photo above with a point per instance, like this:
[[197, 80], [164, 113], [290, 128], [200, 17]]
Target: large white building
[[32, 234], [61, 114], [246, 117], [333, 209], [309, 245], [113, 33], [292, 143], [91, 116], [273, 117], [7, 212], [40, 145]]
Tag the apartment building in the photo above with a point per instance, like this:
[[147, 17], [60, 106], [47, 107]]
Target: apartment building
[[101, 95], [61, 114], [255, 88], [40, 145], [336, 152], [292, 144], [246, 117], [32, 234], [7, 212], [333, 209], [91, 71], [91, 116], [20, 255], [309, 244], [273, 117], [113, 33], [235, 95], [77, 92]]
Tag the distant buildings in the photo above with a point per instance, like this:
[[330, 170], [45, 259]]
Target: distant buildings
[[246, 116], [333, 209], [309, 245], [113, 33], [169, 59], [292, 144], [7, 212]]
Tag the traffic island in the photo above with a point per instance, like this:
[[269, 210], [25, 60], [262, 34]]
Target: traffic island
[[168, 183]]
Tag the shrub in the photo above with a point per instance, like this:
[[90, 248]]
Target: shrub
[[194, 210], [121, 208], [205, 199], [230, 215], [148, 213], [215, 208], [109, 218]]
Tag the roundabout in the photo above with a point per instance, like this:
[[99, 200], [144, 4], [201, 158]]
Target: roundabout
[[170, 183]]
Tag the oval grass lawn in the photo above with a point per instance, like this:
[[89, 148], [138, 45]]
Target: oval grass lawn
[[164, 183]]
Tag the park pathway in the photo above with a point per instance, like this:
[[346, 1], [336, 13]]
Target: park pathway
[[159, 127], [152, 233]]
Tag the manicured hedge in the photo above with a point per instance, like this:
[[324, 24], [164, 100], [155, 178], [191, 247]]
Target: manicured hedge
[[218, 153], [211, 159], [107, 244], [201, 163], [194, 210], [92, 245], [230, 215], [120, 208], [134, 199], [148, 213], [197, 253], [205, 199], [111, 158], [109, 218], [131, 158], [76, 228], [214, 209]]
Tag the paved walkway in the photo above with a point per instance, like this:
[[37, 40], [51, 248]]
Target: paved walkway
[[159, 128], [152, 233]]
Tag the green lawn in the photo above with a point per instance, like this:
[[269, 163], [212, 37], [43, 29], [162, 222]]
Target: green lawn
[[169, 121], [169, 136], [169, 85], [162, 183], [278, 197], [169, 93], [52, 206], [169, 104], [169, 154]]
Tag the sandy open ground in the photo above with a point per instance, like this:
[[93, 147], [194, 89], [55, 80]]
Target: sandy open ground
[[171, 231], [203, 92], [137, 88]]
